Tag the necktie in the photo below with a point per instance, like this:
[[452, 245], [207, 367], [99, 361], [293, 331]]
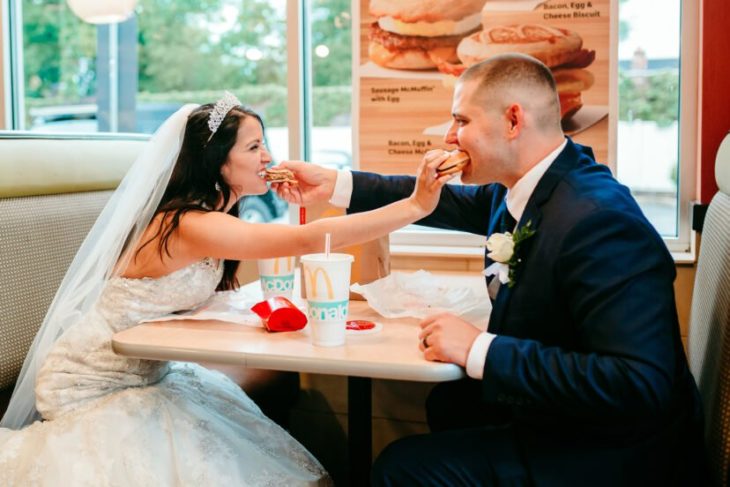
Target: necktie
[[506, 223]]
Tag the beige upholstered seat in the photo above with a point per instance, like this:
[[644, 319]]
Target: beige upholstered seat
[[39, 237], [51, 191], [709, 333]]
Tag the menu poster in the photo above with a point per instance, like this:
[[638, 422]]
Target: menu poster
[[411, 53]]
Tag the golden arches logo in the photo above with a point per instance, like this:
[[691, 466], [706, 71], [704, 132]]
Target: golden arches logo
[[311, 276], [289, 264]]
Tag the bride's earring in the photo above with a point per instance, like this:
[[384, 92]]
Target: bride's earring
[[217, 186]]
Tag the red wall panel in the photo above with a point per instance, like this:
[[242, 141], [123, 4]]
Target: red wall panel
[[715, 80]]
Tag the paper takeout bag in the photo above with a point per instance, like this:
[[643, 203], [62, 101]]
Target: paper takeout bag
[[372, 259]]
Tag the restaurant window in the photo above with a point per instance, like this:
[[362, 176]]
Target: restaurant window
[[71, 76], [330, 52], [656, 128]]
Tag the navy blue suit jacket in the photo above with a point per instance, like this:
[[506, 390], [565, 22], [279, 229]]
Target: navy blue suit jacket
[[588, 358]]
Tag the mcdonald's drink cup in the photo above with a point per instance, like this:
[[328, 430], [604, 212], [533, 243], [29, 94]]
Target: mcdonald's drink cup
[[277, 276], [327, 284]]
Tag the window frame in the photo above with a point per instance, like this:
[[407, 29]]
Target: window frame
[[14, 88], [688, 149], [299, 83]]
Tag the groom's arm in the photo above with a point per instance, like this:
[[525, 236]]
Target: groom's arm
[[463, 208], [616, 280]]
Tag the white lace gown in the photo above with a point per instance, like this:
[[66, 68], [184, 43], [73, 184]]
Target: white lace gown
[[115, 421]]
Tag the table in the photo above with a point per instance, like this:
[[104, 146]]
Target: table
[[389, 354]]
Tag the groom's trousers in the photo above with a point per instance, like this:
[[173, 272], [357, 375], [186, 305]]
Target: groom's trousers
[[467, 446], [484, 456], [476, 444]]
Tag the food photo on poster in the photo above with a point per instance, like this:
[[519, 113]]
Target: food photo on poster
[[561, 50], [417, 35]]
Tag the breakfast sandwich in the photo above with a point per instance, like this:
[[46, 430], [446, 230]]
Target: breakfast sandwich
[[279, 175], [455, 163]]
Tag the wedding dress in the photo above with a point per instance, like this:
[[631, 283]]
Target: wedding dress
[[111, 420]]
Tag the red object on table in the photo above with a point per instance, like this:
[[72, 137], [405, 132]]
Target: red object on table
[[359, 325], [280, 314]]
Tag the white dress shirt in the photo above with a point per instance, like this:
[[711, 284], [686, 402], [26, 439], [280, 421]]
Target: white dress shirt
[[342, 194], [516, 200]]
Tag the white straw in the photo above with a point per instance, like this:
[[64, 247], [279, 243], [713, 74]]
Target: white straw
[[326, 245]]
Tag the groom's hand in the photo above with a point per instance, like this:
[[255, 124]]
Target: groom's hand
[[447, 338], [315, 184]]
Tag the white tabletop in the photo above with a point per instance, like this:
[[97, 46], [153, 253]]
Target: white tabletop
[[391, 353]]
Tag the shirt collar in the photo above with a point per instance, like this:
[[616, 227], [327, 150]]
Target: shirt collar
[[520, 193]]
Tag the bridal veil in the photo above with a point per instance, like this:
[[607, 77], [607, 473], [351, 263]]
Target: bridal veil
[[106, 250]]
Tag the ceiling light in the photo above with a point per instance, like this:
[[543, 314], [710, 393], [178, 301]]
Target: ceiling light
[[102, 11]]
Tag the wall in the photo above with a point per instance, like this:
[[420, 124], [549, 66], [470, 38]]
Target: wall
[[714, 96]]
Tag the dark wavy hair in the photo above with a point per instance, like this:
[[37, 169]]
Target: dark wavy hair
[[197, 171]]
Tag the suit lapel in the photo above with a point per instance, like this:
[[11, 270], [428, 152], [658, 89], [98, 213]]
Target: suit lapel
[[566, 161]]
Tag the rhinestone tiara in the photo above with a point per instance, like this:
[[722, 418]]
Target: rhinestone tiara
[[220, 110]]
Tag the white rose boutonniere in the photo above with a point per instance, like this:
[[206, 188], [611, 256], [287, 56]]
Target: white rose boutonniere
[[503, 250], [501, 247]]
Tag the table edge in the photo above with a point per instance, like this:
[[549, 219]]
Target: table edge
[[439, 372]]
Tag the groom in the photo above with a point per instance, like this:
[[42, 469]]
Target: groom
[[581, 378]]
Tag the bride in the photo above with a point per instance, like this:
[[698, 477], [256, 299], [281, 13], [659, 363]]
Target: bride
[[167, 239]]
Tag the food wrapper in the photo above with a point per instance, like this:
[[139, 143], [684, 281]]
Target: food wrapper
[[420, 294], [280, 314]]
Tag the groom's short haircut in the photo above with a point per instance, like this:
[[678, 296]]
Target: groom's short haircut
[[510, 77]]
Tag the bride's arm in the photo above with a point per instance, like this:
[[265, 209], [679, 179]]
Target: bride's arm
[[223, 236]]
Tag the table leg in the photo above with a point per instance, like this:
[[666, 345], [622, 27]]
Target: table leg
[[359, 429]]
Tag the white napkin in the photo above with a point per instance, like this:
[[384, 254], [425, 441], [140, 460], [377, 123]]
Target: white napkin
[[231, 306], [418, 294]]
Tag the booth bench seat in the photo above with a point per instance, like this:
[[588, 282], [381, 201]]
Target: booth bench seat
[[51, 191]]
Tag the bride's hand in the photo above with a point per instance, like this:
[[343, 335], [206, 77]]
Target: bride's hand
[[427, 192]]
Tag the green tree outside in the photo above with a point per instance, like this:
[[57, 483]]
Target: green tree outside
[[59, 51], [332, 75], [189, 50], [653, 98]]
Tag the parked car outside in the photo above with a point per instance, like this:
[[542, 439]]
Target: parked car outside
[[261, 208]]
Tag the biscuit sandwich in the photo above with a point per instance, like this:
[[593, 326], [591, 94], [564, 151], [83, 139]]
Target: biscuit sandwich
[[279, 175], [559, 49], [455, 163]]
